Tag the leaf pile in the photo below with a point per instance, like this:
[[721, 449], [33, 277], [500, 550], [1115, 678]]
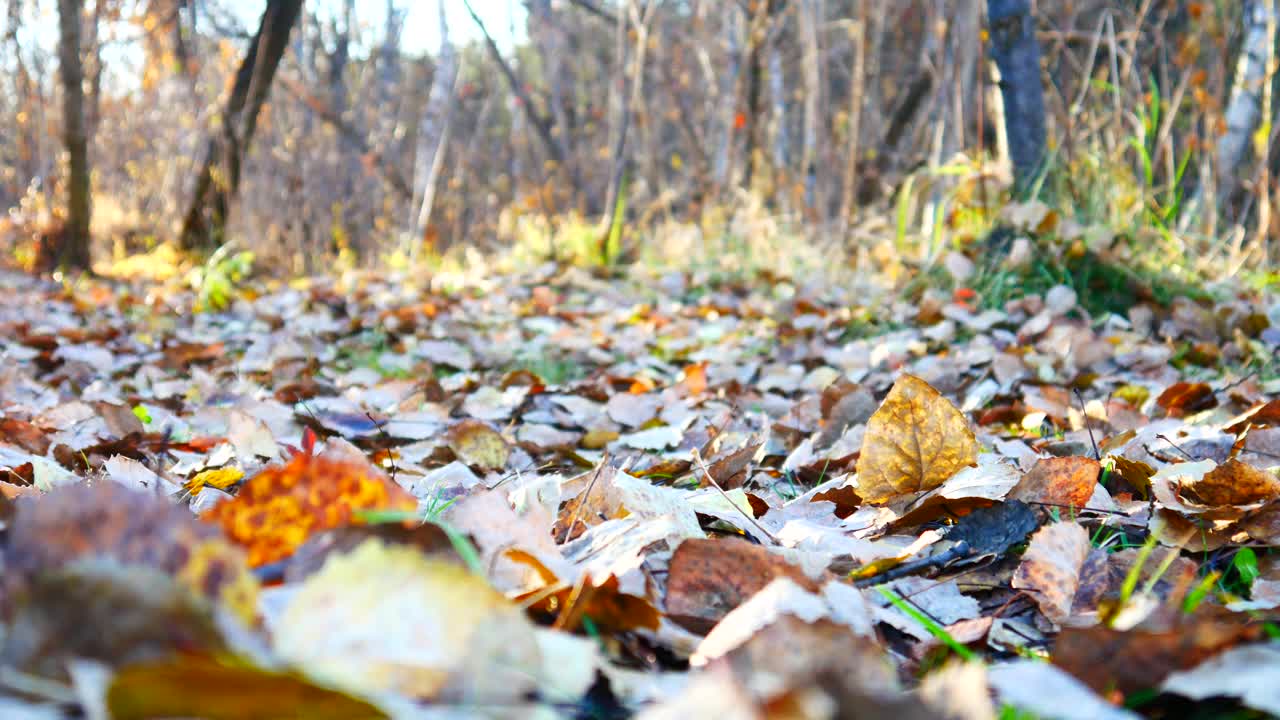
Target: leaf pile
[[547, 495]]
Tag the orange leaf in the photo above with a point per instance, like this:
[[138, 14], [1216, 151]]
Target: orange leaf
[[278, 509], [694, 381], [1062, 481]]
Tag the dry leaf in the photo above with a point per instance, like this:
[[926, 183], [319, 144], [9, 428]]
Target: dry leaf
[[477, 444], [190, 685], [1132, 660], [1233, 483], [1050, 568], [1066, 482], [709, 578], [279, 508], [386, 618], [915, 441]]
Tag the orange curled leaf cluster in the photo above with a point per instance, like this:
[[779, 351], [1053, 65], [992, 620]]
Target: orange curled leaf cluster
[[276, 511]]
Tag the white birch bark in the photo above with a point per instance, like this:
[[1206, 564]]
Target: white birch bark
[[1244, 110], [433, 131]]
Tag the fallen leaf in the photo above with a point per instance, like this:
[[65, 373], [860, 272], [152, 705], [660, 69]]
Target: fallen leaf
[[1064, 482], [109, 521], [279, 508], [385, 618], [1247, 673], [1050, 568], [1108, 659], [203, 686], [478, 445], [708, 578], [1184, 398], [915, 441], [1233, 483], [101, 609], [1047, 691]]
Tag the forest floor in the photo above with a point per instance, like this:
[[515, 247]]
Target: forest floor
[[554, 494]]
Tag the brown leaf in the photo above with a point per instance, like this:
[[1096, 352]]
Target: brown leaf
[[1267, 415], [1060, 481], [25, 435], [1050, 569], [915, 441], [1233, 483], [101, 609], [108, 520], [1184, 398], [1105, 658], [708, 578]]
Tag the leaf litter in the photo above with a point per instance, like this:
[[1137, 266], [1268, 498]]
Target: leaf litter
[[549, 495]]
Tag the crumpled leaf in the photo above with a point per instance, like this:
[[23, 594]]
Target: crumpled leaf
[[278, 509], [915, 441], [385, 618], [1232, 483]]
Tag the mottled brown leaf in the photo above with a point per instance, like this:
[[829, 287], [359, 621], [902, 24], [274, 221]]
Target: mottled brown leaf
[[1068, 482], [1050, 569], [478, 445], [708, 578], [1233, 483], [915, 441]]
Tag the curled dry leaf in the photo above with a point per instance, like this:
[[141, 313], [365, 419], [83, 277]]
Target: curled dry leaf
[[1185, 398], [915, 441], [191, 685], [279, 508], [1050, 569], [1233, 483]]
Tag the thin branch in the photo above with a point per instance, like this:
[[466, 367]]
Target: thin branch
[[540, 123], [349, 133]]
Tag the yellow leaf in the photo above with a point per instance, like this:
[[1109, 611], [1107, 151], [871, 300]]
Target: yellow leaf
[[915, 441], [221, 478], [477, 444], [386, 618], [202, 686]]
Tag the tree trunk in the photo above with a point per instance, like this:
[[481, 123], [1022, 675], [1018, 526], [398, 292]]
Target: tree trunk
[[1244, 111], [1017, 54], [74, 250], [218, 180], [433, 134]]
